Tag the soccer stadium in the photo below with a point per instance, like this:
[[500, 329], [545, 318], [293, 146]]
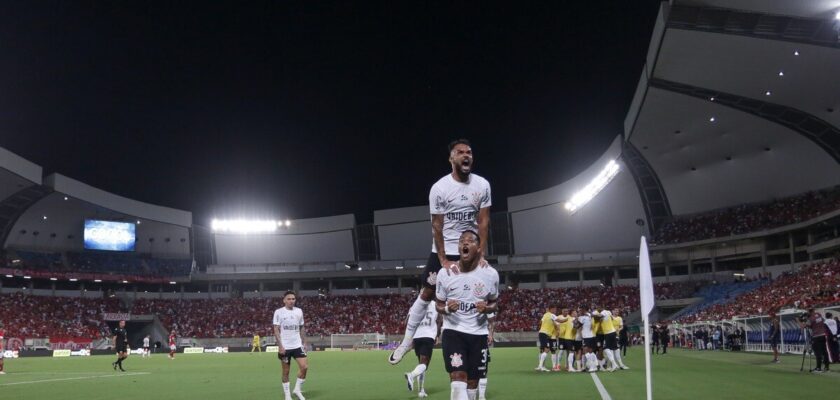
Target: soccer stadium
[[727, 167]]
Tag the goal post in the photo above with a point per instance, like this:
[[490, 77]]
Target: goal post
[[357, 341]]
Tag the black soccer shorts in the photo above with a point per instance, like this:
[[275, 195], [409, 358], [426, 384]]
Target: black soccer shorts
[[611, 341], [423, 347], [547, 342], [465, 352], [286, 358]]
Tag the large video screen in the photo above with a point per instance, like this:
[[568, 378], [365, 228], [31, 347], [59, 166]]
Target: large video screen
[[109, 235]]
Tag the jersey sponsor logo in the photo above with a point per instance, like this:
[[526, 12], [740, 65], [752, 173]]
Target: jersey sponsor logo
[[432, 279], [290, 327], [479, 289], [461, 216], [456, 360], [466, 307]]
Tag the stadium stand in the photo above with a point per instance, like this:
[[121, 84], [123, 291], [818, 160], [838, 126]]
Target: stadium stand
[[815, 285], [27, 316], [748, 218]]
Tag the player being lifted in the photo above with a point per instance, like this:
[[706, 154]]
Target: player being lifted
[[172, 345], [120, 343], [458, 202], [548, 338], [288, 330], [589, 360], [466, 298], [146, 352], [424, 343]]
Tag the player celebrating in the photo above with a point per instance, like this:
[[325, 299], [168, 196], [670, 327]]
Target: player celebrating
[[424, 343], [288, 330], [120, 343], [458, 202], [2, 348], [466, 298], [567, 338], [255, 343], [547, 335], [610, 344], [146, 352], [618, 323], [590, 361], [172, 345]]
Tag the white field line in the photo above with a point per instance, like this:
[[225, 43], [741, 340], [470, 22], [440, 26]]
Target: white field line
[[74, 378], [601, 389]]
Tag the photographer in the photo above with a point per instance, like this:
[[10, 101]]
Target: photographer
[[814, 321]]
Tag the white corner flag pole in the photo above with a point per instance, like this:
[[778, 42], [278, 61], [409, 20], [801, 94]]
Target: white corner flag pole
[[646, 294]]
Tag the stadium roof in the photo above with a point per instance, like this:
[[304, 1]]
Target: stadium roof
[[736, 105]]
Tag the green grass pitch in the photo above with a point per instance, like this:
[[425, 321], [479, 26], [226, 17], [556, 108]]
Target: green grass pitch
[[365, 375]]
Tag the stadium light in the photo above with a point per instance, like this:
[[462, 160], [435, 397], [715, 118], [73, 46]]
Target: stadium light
[[171, 283], [27, 277], [837, 16], [244, 226], [593, 188], [73, 280], [98, 280], [288, 223], [53, 279], [9, 276]]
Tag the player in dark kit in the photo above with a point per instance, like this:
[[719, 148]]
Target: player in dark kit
[[120, 343]]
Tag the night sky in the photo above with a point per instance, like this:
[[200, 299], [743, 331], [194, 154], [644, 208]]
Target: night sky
[[308, 109]]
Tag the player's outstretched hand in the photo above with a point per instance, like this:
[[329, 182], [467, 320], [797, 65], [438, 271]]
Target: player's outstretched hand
[[481, 306]]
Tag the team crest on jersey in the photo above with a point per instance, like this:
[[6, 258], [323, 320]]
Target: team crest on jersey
[[476, 199], [456, 360], [432, 279], [479, 289]]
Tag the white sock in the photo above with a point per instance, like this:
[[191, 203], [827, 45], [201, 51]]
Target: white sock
[[415, 316], [458, 390], [472, 393], [609, 353], [299, 384], [542, 360], [286, 389], [418, 370], [561, 359], [554, 360], [482, 388], [421, 381], [571, 361], [618, 359]]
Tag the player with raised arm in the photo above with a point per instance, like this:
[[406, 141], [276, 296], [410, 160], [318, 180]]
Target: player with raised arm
[[172, 345], [466, 298], [458, 202], [146, 352], [120, 343], [288, 330], [428, 333]]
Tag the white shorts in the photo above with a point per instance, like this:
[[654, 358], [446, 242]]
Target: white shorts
[[172, 347]]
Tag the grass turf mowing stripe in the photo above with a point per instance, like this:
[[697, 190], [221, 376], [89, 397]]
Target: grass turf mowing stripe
[[73, 378]]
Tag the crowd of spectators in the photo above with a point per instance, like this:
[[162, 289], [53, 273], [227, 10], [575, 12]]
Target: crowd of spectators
[[45, 316], [815, 285], [748, 218], [97, 265]]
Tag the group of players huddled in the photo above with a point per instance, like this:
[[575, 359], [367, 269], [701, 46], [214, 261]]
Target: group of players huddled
[[585, 341]]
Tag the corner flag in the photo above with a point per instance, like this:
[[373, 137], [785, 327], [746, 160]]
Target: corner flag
[[646, 294]]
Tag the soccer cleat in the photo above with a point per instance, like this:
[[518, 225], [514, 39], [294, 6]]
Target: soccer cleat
[[2, 372], [543, 369], [612, 369], [410, 381], [299, 395], [287, 397], [397, 355], [422, 394], [113, 364], [555, 368], [622, 366]]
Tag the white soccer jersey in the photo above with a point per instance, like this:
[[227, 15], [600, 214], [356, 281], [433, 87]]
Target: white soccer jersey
[[459, 203], [289, 322], [480, 284], [608, 328], [428, 327], [145, 342], [586, 329]]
